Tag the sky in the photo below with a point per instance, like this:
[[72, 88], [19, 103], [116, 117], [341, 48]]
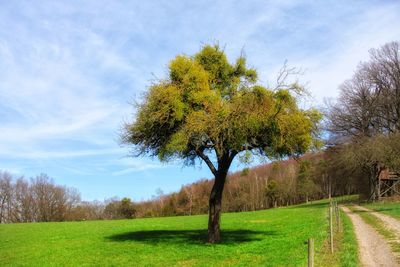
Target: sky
[[70, 71]]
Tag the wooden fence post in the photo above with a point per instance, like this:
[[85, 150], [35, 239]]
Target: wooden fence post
[[339, 225], [337, 211], [331, 226], [310, 252]]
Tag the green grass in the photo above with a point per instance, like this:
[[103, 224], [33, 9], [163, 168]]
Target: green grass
[[348, 254], [347, 199], [389, 208], [273, 237]]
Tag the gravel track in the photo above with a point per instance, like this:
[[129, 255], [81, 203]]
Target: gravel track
[[373, 248]]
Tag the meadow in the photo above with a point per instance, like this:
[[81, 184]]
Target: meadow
[[275, 237]]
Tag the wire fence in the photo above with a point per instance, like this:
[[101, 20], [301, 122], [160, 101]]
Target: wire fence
[[335, 228]]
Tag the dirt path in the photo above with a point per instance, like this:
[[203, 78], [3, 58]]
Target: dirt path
[[373, 248], [390, 223]]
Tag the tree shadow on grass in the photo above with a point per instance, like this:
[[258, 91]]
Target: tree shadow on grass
[[189, 236], [387, 209]]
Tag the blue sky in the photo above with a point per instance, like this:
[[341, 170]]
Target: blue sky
[[69, 71]]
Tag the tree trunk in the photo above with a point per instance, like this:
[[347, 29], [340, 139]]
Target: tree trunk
[[215, 202], [374, 182], [215, 207]]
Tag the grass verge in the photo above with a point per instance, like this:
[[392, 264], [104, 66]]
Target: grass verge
[[348, 251], [390, 208]]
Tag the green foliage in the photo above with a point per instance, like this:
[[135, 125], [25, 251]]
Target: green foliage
[[120, 209], [363, 160], [207, 104], [381, 148], [272, 191], [245, 172], [273, 237], [305, 184], [304, 170], [126, 208]]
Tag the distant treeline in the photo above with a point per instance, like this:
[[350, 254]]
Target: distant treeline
[[39, 199]]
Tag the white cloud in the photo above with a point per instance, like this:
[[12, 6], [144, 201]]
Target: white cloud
[[139, 168]]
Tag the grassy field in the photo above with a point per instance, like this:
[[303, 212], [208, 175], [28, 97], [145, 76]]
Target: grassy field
[[389, 208], [273, 237]]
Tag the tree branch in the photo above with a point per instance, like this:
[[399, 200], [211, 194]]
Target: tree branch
[[232, 155], [284, 73], [207, 160], [245, 147]]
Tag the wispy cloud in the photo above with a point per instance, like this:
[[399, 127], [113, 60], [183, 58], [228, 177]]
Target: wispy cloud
[[62, 154], [138, 168], [329, 67]]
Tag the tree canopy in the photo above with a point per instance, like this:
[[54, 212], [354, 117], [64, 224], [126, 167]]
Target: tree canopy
[[207, 104]]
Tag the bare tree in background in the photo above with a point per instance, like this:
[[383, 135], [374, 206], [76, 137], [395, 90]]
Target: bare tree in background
[[39, 200], [369, 102], [23, 203], [5, 196]]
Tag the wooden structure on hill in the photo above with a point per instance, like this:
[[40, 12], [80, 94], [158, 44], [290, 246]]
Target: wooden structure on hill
[[389, 183]]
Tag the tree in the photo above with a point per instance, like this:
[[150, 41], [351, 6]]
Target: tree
[[5, 197], [212, 110], [23, 202], [369, 102], [272, 192], [120, 209], [127, 208], [51, 200], [369, 107], [305, 184], [372, 156], [112, 210]]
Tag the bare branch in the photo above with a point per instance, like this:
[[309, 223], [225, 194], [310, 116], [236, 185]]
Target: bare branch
[[282, 79], [207, 160]]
